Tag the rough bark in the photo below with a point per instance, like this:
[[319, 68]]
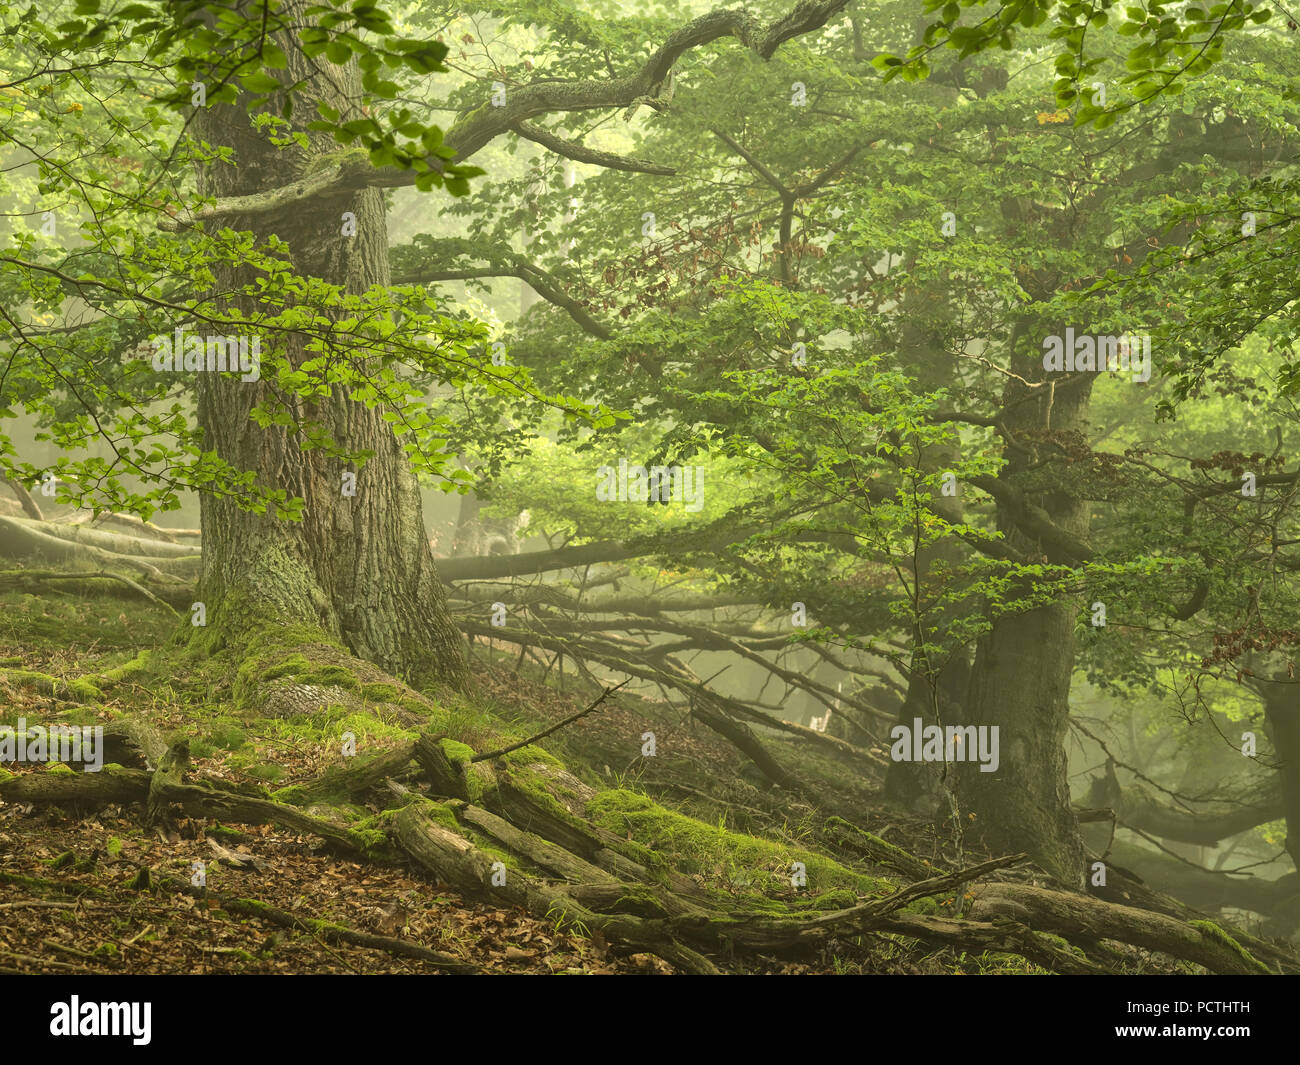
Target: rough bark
[[1282, 705], [1072, 915], [1020, 680], [357, 567]]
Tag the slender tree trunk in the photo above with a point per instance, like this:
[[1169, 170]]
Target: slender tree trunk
[[358, 566], [936, 686]]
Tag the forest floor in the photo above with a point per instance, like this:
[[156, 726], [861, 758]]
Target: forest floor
[[69, 873]]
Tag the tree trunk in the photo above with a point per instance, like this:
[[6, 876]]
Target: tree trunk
[[1282, 706], [357, 567], [936, 684], [1020, 680]]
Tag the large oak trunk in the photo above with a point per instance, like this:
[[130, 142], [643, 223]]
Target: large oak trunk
[[358, 566]]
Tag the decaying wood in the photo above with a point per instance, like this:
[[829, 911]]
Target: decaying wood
[[23, 538], [586, 880], [355, 777], [132, 742], [444, 776], [109, 785], [1006, 937], [1073, 914], [456, 861], [540, 852], [853, 840]]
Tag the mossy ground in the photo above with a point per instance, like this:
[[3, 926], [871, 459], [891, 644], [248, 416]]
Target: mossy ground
[[746, 844]]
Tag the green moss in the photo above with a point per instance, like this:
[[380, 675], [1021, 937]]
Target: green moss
[[369, 840], [1061, 943], [266, 771], [41, 624], [840, 899], [290, 666], [60, 770], [457, 753], [395, 696], [227, 735], [306, 672], [442, 813], [924, 906], [135, 667], [522, 773], [79, 689], [481, 780], [5, 774], [531, 755], [718, 854], [1210, 930], [113, 846]]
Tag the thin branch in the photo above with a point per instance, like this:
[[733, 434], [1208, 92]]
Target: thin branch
[[554, 728]]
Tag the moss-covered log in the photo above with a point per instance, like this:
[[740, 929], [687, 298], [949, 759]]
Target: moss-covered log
[[443, 852], [357, 776], [112, 784], [445, 776], [1071, 914]]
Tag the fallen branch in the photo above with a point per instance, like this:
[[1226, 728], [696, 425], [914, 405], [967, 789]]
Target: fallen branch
[[1005, 937], [21, 577], [327, 930], [25, 499], [554, 728]]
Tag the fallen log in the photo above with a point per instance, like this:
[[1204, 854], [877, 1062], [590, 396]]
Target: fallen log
[[1073, 915], [849, 838], [541, 852], [357, 776], [23, 538], [109, 785], [1005, 937], [454, 860]]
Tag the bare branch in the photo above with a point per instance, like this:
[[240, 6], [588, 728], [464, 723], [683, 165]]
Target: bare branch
[[582, 154]]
